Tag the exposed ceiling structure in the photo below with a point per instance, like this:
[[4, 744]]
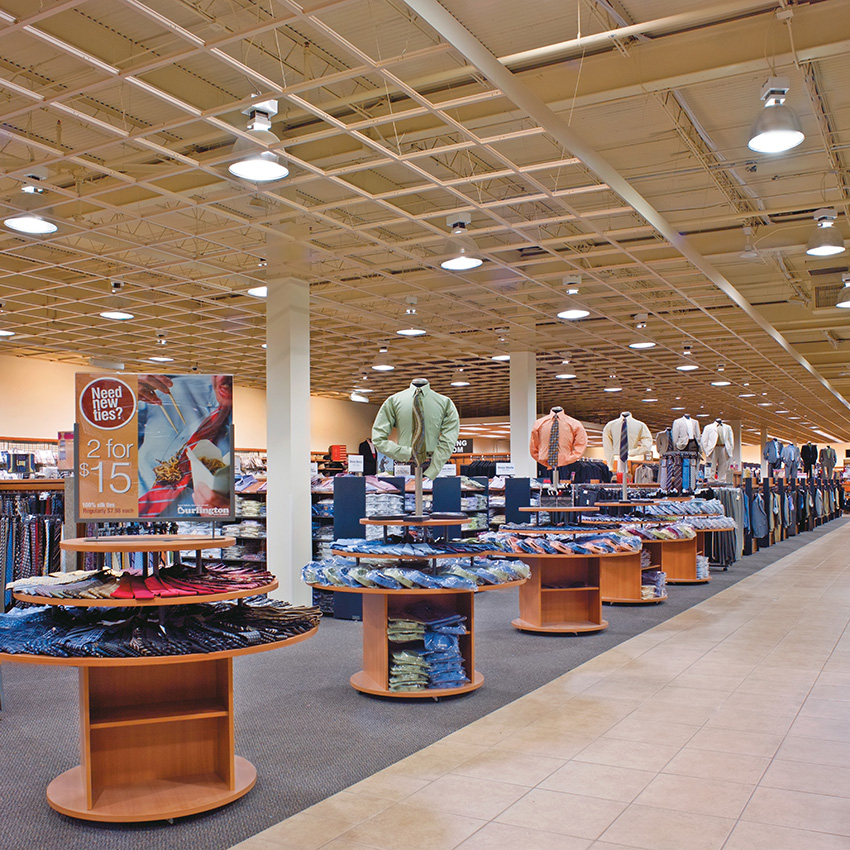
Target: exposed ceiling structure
[[600, 138]]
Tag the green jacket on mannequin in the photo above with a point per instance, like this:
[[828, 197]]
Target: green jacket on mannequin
[[442, 425]]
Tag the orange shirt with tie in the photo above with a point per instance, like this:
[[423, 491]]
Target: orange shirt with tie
[[572, 439]]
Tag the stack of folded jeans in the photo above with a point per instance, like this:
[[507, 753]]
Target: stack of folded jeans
[[132, 632]]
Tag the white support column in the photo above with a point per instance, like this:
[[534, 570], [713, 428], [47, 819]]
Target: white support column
[[736, 451], [523, 411], [288, 432], [762, 441]]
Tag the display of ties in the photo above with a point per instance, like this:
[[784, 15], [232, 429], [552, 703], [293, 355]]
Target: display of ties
[[553, 443], [419, 452], [624, 442]]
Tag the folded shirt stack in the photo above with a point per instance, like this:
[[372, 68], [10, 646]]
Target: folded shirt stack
[[138, 632], [554, 544], [693, 506], [674, 531], [359, 546], [450, 574], [250, 508], [409, 670], [653, 584], [702, 566], [712, 523]]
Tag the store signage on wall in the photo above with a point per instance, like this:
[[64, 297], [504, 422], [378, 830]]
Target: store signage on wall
[[504, 469], [464, 446], [355, 463], [154, 447]]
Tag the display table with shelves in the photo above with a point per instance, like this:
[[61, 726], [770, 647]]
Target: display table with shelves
[[559, 509], [676, 558], [620, 579], [156, 732]]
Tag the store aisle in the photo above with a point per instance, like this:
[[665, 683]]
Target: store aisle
[[726, 726]]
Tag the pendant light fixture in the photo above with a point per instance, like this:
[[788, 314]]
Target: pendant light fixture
[[115, 308], [750, 252], [826, 240], [844, 296], [463, 253], [411, 311], [28, 220], [459, 379], [256, 163], [382, 361], [777, 128]]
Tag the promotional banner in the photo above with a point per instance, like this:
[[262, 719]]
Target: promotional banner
[[154, 447]]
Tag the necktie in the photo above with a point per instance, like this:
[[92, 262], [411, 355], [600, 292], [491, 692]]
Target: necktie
[[624, 442], [553, 443], [419, 452]]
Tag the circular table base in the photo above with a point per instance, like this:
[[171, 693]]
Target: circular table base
[[159, 799], [361, 682], [559, 628], [654, 600]]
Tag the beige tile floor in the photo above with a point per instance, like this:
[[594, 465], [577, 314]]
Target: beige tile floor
[[727, 727]]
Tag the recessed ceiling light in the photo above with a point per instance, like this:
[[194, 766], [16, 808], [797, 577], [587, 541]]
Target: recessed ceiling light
[[765, 404], [613, 389], [687, 367], [117, 315], [411, 332], [648, 400], [746, 395], [572, 314], [258, 291], [6, 333], [677, 408], [161, 359], [720, 383], [501, 357], [565, 376]]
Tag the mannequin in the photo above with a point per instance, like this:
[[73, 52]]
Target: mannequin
[[773, 455], [570, 444], [441, 426], [370, 456], [686, 434], [809, 456], [791, 461], [639, 438], [717, 444], [828, 459]]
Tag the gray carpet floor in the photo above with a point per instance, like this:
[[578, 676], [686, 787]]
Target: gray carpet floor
[[298, 720]]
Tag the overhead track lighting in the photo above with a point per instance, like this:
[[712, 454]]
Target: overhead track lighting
[[28, 220], [826, 240], [777, 127], [459, 379], [382, 362], [463, 253], [258, 165], [844, 296]]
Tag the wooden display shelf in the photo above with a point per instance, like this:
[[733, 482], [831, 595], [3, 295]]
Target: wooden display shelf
[[560, 610], [157, 601], [156, 736], [567, 509], [620, 580], [383, 604], [145, 543], [423, 523], [31, 484], [677, 558]]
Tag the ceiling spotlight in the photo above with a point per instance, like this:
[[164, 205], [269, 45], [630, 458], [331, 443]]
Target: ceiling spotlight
[[572, 314], [721, 367], [640, 321], [161, 339], [501, 358], [459, 379], [258, 291], [844, 296], [463, 253], [263, 165], [572, 283], [826, 240], [749, 252], [777, 127], [358, 397], [28, 220], [382, 362]]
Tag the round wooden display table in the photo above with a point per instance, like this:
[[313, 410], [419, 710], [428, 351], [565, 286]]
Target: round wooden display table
[[555, 509], [380, 605], [156, 732], [620, 579], [677, 558]]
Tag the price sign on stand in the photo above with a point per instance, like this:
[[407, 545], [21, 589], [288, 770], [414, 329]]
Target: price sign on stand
[[504, 470], [355, 463], [402, 469], [154, 447], [448, 470]]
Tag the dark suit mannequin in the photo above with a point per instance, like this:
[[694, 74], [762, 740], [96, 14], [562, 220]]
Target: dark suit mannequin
[[809, 453], [370, 457]]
